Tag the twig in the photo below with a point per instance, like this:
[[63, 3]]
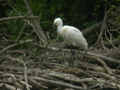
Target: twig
[[100, 78], [64, 84], [25, 70], [21, 32], [104, 64], [10, 87], [4, 19], [36, 25], [13, 45], [115, 42], [25, 76], [102, 27], [92, 28], [70, 77], [38, 84], [105, 58]]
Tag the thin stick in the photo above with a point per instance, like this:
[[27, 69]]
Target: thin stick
[[25, 76], [4, 19], [103, 27], [64, 84], [36, 25], [13, 45], [105, 58], [104, 64]]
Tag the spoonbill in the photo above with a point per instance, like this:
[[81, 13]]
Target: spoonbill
[[72, 36]]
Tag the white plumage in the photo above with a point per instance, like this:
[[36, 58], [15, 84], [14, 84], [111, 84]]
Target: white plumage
[[71, 35]]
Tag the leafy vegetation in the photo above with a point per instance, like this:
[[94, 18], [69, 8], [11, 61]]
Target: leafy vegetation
[[79, 13]]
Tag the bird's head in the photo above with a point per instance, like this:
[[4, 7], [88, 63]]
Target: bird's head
[[58, 21]]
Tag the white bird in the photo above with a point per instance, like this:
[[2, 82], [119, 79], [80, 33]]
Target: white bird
[[71, 35]]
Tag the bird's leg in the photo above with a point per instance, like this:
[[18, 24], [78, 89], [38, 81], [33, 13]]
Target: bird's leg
[[72, 52], [85, 52], [64, 61], [72, 57]]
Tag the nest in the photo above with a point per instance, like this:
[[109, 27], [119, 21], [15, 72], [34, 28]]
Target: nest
[[58, 69]]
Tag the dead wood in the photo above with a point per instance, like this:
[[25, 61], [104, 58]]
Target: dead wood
[[83, 75], [4, 19], [92, 28], [103, 26], [36, 25], [113, 42]]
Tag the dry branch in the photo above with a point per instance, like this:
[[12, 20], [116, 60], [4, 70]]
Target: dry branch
[[26, 76], [60, 78], [87, 75], [61, 83], [92, 28], [36, 24], [13, 45], [114, 42], [107, 69], [103, 26], [105, 58], [4, 19]]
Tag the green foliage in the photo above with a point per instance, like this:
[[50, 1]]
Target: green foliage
[[80, 13]]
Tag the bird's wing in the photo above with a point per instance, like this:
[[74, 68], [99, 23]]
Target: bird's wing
[[73, 36], [72, 28], [70, 31]]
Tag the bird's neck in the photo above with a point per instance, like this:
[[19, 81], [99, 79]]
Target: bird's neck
[[59, 28]]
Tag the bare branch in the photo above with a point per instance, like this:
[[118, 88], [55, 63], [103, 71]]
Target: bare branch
[[59, 83], [26, 76], [13, 45], [36, 25], [4, 19], [92, 28], [103, 26]]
